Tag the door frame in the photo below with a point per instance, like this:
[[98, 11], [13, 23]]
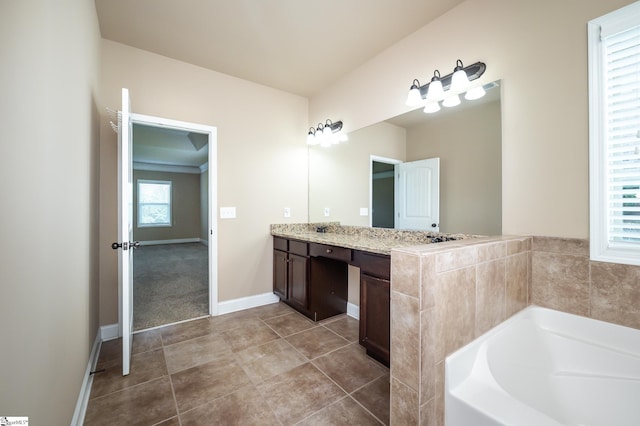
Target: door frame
[[378, 159], [212, 168]]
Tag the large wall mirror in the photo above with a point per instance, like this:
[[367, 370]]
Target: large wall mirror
[[349, 182]]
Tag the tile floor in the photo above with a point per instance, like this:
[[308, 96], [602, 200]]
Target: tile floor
[[263, 366]]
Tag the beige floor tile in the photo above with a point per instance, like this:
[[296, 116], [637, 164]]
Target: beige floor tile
[[316, 341], [286, 325], [265, 361], [375, 398], [145, 404], [344, 412], [146, 341], [234, 320], [346, 327], [145, 366], [110, 354], [246, 336], [243, 407], [204, 383], [350, 367], [298, 393], [186, 330], [272, 310], [194, 352]]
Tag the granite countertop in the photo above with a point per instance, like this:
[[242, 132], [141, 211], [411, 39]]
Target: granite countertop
[[373, 240]]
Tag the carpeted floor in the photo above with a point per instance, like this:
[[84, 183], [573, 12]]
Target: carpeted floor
[[170, 284]]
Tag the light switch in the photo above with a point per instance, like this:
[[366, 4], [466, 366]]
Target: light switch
[[327, 212], [227, 212], [287, 212]]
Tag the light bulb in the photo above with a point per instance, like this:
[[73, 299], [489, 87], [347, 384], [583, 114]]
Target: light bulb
[[459, 80], [451, 101], [435, 91], [414, 98], [475, 93], [431, 107], [311, 139]]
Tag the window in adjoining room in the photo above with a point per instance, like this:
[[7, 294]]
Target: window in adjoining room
[[614, 136], [154, 203]]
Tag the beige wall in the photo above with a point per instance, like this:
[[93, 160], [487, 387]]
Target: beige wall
[[262, 160], [49, 232], [469, 147], [539, 50], [339, 175], [185, 213]]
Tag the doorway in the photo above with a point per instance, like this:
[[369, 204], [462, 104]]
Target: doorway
[[382, 191], [174, 193]]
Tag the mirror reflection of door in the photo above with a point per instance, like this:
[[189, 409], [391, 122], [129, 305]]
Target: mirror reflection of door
[[405, 195], [382, 194]]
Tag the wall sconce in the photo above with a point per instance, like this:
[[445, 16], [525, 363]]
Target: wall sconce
[[447, 89], [326, 134]]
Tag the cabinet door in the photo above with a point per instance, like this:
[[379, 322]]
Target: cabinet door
[[280, 272], [374, 316], [299, 280]]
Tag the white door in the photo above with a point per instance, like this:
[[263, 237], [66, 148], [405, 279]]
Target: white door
[[417, 195], [125, 230]]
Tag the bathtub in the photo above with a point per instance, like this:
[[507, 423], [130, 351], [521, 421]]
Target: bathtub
[[543, 367]]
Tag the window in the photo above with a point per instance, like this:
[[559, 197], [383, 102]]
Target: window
[[154, 203], [614, 136]]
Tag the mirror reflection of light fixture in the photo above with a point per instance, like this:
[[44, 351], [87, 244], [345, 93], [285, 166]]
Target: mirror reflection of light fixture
[[448, 88], [326, 134]]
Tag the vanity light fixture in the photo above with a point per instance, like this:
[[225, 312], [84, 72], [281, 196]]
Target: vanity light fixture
[[448, 88], [326, 134]]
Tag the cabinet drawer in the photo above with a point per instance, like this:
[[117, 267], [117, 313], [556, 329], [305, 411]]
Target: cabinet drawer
[[280, 244], [332, 252], [298, 247], [373, 264]]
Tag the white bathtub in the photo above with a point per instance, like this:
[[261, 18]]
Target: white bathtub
[[543, 367]]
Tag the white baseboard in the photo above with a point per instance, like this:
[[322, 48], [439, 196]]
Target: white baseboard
[[109, 332], [176, 241], [204, 242], [353, 310], [242, 303], [87, 381]]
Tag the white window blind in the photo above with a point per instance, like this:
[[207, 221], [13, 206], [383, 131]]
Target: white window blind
[[614, 136], [622, 135]]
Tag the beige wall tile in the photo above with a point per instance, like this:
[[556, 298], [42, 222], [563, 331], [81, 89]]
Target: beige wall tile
[[615, 293], [518, 245], [490, 295], [405, 339], [427, 354], [491, 251], [458, 258], [405, 273], [516, 283], [455, 310], [428, 282], [560, 282], [574, 246], [428, 413], [404, 404]]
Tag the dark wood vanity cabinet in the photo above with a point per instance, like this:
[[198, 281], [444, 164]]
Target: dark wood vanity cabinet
[[315, 286], [313, 279], [375, 304]]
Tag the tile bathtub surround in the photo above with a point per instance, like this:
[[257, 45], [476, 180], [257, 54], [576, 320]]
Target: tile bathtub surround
[[442, 297], [445, 295], [263, 366], [565, 279]]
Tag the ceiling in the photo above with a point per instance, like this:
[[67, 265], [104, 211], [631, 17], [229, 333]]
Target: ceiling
[[299, 46], [168, 147]]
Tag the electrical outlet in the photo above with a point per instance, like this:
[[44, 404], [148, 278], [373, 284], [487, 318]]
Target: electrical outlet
[[227, 212], [287, 212], [364, 211], [327, 212]]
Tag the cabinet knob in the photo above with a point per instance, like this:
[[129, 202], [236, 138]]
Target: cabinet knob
[[329, 250]]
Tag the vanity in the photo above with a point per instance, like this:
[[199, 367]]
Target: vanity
[[310, 273]]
